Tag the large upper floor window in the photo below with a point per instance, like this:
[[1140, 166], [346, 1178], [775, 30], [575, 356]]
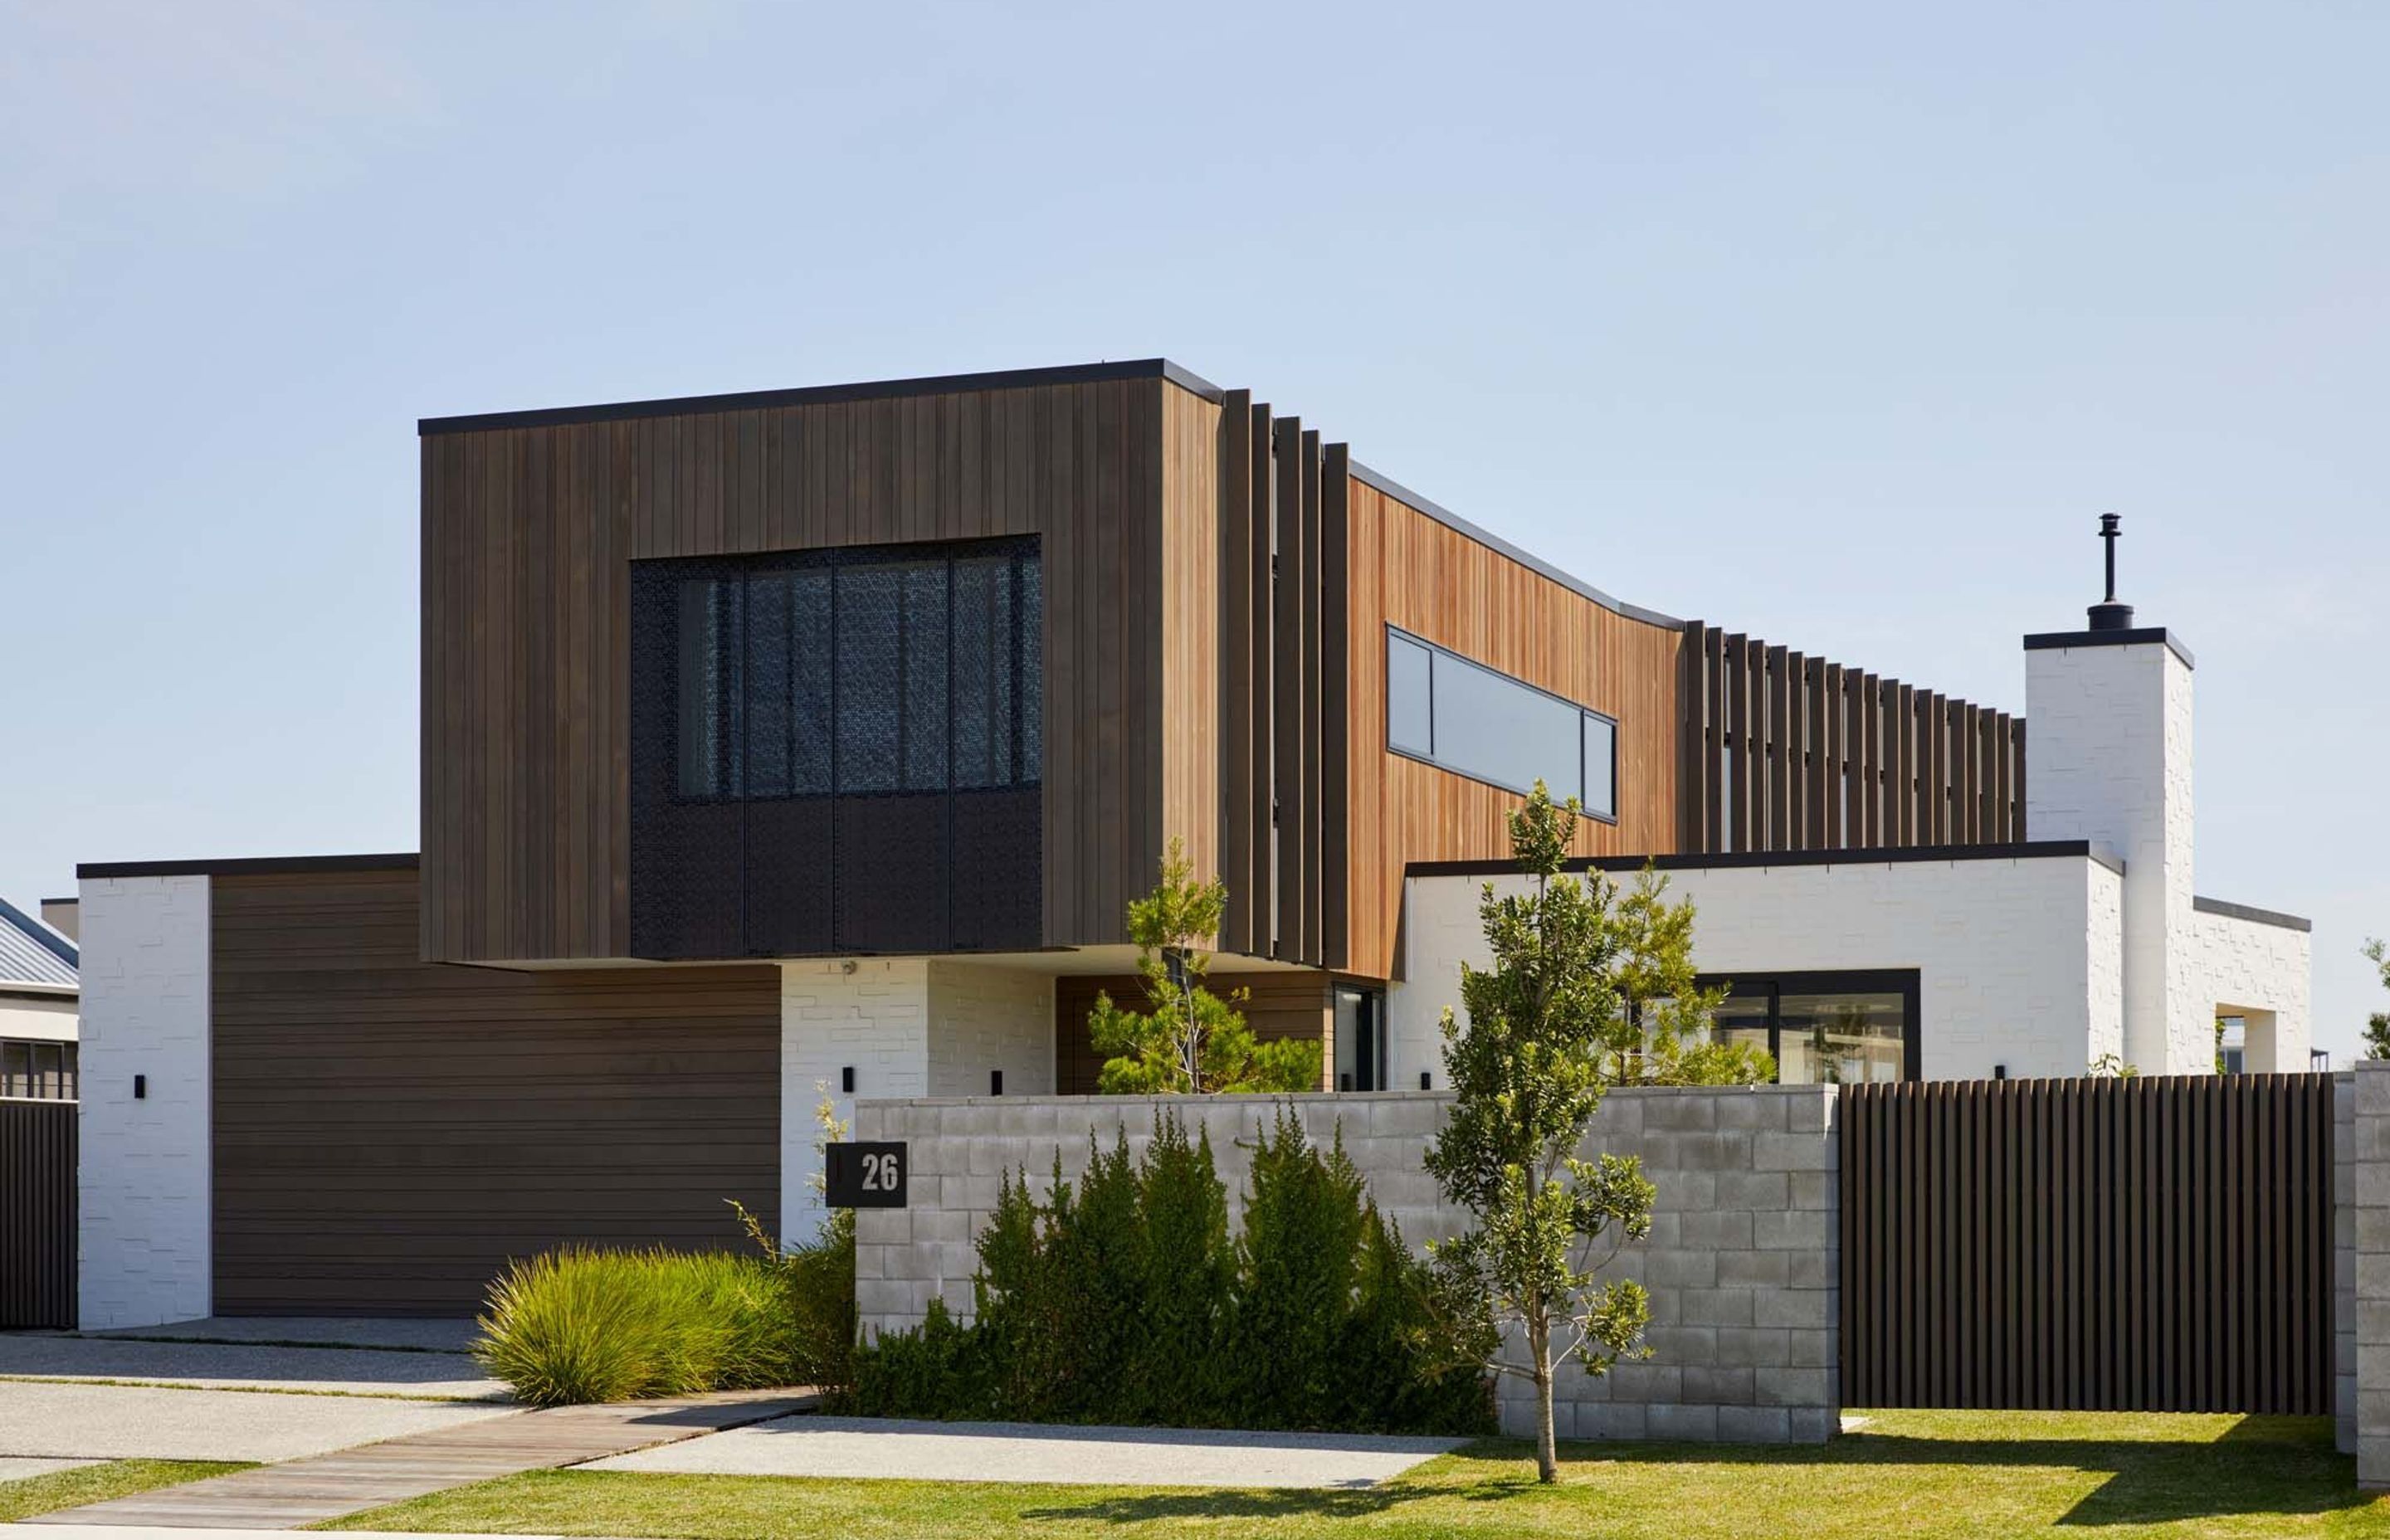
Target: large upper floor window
[[1466, 718], [859, 675], [837, 750]]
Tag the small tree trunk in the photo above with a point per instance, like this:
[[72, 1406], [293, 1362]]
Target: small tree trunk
[[1547, 1458]]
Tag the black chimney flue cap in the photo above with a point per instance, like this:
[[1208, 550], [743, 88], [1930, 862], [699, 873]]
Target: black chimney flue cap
[[2109, 615]]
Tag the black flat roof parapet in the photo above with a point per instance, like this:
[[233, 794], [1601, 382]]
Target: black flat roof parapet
[[2027, 850], [2254, 915], [808, 395], [252, 865], [2050, 641]]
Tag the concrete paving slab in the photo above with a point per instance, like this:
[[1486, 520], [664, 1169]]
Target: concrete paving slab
[[145, 1422], [16, 1469], [433, 1333], [1027, 1451], [351, 1371]]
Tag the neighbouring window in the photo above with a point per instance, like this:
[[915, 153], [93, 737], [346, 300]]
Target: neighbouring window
[[1826, 1029], [1360, 1030], [1465, 717], [40, 1069]]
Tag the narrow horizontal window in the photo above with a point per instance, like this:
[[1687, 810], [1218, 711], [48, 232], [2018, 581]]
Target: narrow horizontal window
[[1467, 718]]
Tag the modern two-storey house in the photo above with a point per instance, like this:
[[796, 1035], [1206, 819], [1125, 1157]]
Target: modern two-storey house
[[816, 741]]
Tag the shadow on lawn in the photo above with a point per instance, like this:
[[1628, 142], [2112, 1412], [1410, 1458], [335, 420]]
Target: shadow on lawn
[[2261, 1465]]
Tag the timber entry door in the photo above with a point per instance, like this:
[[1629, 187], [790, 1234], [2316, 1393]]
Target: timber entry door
[[2152, 1244]]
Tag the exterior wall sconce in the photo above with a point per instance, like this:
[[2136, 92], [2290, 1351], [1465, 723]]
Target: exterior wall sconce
[[995, 1083], [847, 1080]]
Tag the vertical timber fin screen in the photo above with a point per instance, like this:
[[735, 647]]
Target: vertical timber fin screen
[[2153, 1244]]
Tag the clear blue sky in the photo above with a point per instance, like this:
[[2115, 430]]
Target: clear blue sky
[[1835, 323]]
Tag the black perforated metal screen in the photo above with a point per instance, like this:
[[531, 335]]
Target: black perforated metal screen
[[837, 752]]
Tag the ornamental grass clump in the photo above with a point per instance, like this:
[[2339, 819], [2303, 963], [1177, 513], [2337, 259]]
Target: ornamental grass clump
[[580, 1324]]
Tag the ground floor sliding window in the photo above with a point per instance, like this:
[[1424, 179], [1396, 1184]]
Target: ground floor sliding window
[[838, 751], [1826, 1029]]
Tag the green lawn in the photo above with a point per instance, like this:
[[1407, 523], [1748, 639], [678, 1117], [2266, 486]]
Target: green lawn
[[93, 1484], [1907, 1473]]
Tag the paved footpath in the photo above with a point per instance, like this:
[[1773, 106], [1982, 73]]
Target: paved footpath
[[1029, 1452], [304, 1491]]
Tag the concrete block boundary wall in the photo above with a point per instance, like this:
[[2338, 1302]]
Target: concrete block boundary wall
[[1742, 1265]]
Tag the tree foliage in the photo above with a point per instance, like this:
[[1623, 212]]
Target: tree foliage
[[1660, 1034], [1187, 1039], [1527, 1073], [2377, 1025]]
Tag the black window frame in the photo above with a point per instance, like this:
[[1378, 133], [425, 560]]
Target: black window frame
[[58, 1060], [1371, 1051], [1608, 816], [1906, 982]]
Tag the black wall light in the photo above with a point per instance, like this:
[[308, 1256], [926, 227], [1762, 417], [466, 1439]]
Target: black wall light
[[847, 1079], [1423, 1081], [140, 1087], [995, 1083]]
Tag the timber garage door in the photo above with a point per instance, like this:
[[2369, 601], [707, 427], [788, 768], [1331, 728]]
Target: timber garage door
[[388, 1132]]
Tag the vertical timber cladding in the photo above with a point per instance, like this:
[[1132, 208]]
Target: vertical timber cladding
[[1406, 568], [1784, 751], [37, 1214], [388, 1132], [2089, 1245], [530, 525]]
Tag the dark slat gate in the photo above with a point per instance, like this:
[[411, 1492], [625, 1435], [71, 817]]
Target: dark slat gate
[[37, 1214], [2096, 1245]]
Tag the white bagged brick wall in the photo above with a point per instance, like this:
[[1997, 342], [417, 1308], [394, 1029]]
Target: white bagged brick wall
[[1743, 1263], [146, 1171]]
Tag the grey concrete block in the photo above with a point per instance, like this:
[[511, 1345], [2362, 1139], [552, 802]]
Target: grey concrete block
[[1814, 1269], [1412, 1117], [1717, 1307], [1808, 1110], [1753, 1425], [1621, 1117], [1683, 1191], [1794, 1308], [1678, 1111], [1804, 1230], [871, 1262], [1791, 1152], [1753, 1189], [1614, 1421], [1687, 1345], [1750, 1110], [1791, 1387], [1652, 1384], [1814, 1347], [1817, 1189], [1765, 1269], [1697, 1269], [1690, 1424], [1729, 1150], [1811, 1424], [1733, 1230], [1721, 1384], [1754, 1347]]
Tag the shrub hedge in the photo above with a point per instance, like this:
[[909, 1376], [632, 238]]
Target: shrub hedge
[[1123, 1299]]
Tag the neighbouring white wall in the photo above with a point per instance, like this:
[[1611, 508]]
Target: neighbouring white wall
[[872, 1014], [146, 1165], [2017, 958], [2248, 968], [2110, 763], [983, 1017], [42, 1019]]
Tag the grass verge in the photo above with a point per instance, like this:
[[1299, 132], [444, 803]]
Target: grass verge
[[96, 1484], [1906, 1473], [494, 1399]]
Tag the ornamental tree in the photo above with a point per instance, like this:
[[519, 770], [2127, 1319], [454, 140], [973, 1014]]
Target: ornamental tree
[[1527, 1073], [1661, 1033], [2377, 1024], [1187, 1039]]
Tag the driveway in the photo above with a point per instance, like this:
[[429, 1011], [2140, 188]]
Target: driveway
[[345, 1370], [138, 1421], [1024, 1451]]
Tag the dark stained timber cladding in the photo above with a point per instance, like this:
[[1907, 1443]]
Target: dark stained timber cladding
[[838, 751], [37, 1214], [388, 1133], [2089, 1245]]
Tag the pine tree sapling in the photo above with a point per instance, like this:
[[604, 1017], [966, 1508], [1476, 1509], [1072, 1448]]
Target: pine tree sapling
[[1188, 1040], [1527, 1076]]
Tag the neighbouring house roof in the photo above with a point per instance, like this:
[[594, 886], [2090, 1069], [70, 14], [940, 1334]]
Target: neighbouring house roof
[[31, 953]]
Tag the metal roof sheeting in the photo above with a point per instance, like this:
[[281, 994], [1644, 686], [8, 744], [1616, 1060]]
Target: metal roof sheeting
[[31, 953]]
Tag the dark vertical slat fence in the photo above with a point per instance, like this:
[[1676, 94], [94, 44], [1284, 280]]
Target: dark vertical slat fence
[[37, 1214], [2154, 1244], [1783, 751]]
